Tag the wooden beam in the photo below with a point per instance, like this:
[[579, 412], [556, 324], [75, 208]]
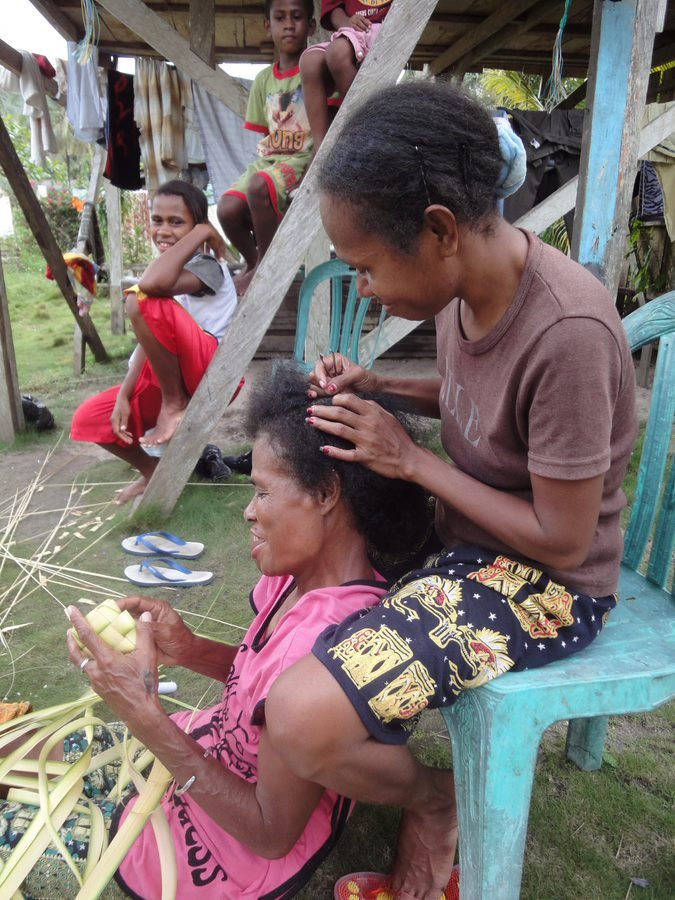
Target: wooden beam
[[153, 29], [657, 130], [42, 233], [384, 336], [203, 30], [260, 53], [494, 23], [11, 59], [622, 39], [318, 326], [382, 66], [174, 9], [11, 412], [253, 10], [58, 20], [577, 95]]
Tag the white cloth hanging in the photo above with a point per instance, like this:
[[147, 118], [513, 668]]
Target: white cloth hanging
[[85, 105], [9, 81], [42, 137]]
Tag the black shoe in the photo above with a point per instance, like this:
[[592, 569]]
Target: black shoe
[[36, 413], [211, 464], [241, 464]]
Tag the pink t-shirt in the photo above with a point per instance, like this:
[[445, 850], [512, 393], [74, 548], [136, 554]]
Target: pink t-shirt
[[211, 863], [549, 391]]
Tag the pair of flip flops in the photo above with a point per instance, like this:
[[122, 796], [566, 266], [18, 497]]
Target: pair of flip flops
[[374, 886], [161, 568]]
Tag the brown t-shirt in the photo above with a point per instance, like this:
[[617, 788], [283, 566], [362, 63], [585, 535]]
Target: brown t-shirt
[[550, 391]]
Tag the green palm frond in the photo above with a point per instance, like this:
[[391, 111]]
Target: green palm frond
[[513, 90]]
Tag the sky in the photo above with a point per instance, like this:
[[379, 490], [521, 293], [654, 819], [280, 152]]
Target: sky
[[26, 29]]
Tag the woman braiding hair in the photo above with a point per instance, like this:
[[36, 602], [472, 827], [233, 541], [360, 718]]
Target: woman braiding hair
[[535, 396]]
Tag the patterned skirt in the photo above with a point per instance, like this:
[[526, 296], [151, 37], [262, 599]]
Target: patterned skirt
[[461, 620]]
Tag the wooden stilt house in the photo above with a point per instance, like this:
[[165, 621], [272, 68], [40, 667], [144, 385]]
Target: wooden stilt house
[[613, 46]]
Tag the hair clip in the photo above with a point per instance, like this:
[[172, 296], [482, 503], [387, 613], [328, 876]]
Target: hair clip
[[423, 173]]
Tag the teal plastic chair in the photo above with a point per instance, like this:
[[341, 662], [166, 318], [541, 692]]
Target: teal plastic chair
[[347, 317], [496, 729]]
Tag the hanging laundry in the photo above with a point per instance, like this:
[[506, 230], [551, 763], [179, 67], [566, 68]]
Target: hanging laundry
[[61, 77], [85, 106], [553, 145], [123, 162], [82, 275], [663, 158], [9, 81], [44, 65], [650, 196], [42, 138], [158, 111], [196, 172], [228, 146], [194, 149]]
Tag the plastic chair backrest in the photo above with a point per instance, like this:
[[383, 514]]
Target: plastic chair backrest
[[652, 520], [347, 317]]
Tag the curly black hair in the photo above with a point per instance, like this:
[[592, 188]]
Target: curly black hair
[[394, 516], [307, 4], [410, 146], [194, 199]]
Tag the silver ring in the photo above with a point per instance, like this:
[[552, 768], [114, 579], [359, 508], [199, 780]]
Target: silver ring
[[84, 662]]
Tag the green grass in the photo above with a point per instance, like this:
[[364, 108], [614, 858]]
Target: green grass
[[589, 833], [42, 330], [35, 664]]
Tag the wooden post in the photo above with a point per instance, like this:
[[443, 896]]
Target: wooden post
[[11, 412], [318, 327], [383, 65], [203, 30], [115, 260], [622, 40], [42, 233], [84, 244]]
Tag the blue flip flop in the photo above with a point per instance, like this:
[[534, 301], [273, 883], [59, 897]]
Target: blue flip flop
[[165, 572], [162, 543]]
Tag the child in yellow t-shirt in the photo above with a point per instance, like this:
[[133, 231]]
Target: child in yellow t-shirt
[[250, 211]]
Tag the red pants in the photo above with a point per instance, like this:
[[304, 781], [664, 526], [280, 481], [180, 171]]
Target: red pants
[[178, 332]]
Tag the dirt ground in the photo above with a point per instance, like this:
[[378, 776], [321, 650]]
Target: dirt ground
[[69, 459]]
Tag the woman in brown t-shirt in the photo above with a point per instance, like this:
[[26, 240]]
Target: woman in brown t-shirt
[[536, 400]]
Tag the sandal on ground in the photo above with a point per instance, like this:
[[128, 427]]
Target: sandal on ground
[[162, 543], [165, 572], [374, 886]]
